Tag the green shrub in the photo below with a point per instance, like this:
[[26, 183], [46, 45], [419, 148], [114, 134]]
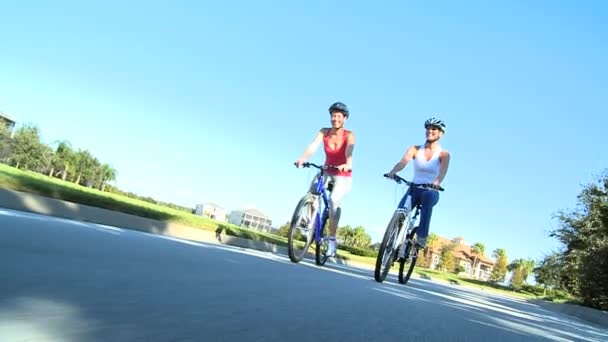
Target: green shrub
[[365, 252]]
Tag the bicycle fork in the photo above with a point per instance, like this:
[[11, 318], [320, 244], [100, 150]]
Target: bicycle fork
[[403, 244], [401, 239], [317, 220], [406, 239]]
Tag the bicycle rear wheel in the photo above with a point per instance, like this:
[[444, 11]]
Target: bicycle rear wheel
[[411, 255], [322, 243], [301, 230], [386, 253]]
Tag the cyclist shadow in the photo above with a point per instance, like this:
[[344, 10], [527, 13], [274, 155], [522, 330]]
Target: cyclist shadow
[[481, 308]]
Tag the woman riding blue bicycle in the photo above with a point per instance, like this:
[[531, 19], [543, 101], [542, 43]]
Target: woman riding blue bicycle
[[431, 164], [338, 145]]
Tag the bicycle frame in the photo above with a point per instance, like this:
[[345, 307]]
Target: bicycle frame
[[410, 220], [322, 193], [407, 209], [398, 239]]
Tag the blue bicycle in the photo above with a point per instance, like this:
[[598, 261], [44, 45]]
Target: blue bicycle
[[309, 222]]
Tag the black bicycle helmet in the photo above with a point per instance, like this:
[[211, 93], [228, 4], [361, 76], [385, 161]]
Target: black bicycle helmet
[[339, 107], [435, 122]]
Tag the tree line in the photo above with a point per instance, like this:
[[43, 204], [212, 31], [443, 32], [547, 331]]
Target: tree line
[[25, 150], [580, 266]]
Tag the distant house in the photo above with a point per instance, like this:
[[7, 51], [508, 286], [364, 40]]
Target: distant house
[[7, 122], [477, 266], [211, 210], [251, 218]]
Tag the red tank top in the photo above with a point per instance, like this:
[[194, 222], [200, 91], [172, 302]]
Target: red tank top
[[336, 157]]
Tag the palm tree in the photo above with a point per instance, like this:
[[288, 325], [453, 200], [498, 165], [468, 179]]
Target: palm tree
[[108, 174], [49, 160], [477, 249], [431, 241], [525, 265], [85, 163], [500, 268], [66, 158], [528, 267]]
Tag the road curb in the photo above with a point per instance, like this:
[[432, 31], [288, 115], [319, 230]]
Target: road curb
[[37, 204]]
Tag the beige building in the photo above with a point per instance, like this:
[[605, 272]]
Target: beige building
[[251, 218], [211, 210], [475, 265], [8, 122]]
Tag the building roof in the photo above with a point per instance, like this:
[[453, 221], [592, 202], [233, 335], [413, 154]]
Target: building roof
[[212, 204], [255, 212], [6, 117], [462, 250]]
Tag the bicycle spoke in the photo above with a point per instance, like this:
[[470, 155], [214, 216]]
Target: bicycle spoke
[[385, 258], [301, 231]]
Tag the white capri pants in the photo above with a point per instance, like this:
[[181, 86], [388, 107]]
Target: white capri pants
[[342, 185]]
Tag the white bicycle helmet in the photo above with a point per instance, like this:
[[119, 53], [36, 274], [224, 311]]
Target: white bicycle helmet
[[435, 122]]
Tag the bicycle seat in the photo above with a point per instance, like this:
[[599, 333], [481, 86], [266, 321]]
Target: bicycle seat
[[330, 185]]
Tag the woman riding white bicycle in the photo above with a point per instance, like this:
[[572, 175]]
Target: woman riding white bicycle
[[431, 164], [338, 145]]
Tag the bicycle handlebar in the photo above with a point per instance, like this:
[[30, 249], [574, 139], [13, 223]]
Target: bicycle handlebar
[[321, 167], [399, 180]]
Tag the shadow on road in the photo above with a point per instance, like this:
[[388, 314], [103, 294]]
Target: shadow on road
[[509, 314], [166, 284]]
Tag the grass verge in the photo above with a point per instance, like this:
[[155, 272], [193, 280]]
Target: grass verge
[[31, 182]]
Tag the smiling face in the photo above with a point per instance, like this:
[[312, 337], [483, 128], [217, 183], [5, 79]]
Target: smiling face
[[337, 120], [433, 133]]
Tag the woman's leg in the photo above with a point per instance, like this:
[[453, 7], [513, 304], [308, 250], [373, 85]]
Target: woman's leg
[[428, 199], [342, 185]]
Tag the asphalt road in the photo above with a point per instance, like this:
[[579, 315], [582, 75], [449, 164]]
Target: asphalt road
[[62, 280]]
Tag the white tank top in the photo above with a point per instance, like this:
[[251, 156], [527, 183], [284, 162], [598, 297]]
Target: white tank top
[[426, 172]]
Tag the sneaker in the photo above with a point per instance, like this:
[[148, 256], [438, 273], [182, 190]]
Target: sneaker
[[331, 247]]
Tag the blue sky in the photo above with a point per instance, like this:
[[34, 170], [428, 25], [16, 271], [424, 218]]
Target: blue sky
[[240, 89]]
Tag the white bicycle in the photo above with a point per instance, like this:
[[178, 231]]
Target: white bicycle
[[399, 242]]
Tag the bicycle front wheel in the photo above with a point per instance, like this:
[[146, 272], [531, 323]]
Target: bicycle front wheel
[[408, 263], [387, 251], [301, 230]]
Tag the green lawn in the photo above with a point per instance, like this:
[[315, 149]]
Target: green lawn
[[15, 179]]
